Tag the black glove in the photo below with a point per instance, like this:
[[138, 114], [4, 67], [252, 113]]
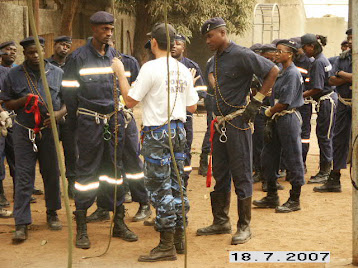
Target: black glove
[[268, 130], [251, 110]]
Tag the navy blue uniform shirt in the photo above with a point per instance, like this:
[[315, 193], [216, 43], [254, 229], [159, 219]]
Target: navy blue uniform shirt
[[131, 67], [16, 86], [209, 69], [236, 66], [199, 84], [89, 80], [304, 64], [53, 62], [320, 72], [3, 73], [344, 64], [288, 88]]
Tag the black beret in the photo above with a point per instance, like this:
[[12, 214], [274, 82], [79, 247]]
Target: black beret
[[349, 31], [29, 41], [147, 45], [160, 34], [288, 43], [308, 39], [7, 43], [180, 37], [102, 17], [63, 38], [344, 42], [256, 47], [268, 48], [212, 24]]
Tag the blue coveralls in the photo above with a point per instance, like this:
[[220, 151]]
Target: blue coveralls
[[326, 100], [303, 64], [343, 126], [132, 164], [89, 83], [233, 159], [6, 144], [67, 136], [188, 125], [15, 87], [286, 140], [209, 106]]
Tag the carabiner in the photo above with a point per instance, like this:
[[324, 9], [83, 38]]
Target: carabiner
[[106, 133], [223, 137]]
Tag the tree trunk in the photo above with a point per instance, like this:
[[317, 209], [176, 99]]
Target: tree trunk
[[68, 13], [143, 26], [36, 7]]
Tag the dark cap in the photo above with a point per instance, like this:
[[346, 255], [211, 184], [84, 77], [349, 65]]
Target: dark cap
[[308, 39], [349, 31], [268, 48], [63, 38], [297, 40], [102, 17], [344, 42], [147, 45], [180, 37], [288, 43], [29, 41], [7, 43], [212, 24], [256, 47], [274, 42], [160, 34]]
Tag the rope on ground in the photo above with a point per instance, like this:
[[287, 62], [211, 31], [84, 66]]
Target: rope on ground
[[54, 132], [170, 135]]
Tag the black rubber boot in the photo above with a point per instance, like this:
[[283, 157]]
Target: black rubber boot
[[322, 175], [203, 164], [99, 215], [278, 186], [179, 240], [143, 212], [270, 201], [82, 240], [37, 191], [120, 229], [220, 205], [243, 233], [53, 222], [165, 251], [20, 234], [293, 203], [333, 184]]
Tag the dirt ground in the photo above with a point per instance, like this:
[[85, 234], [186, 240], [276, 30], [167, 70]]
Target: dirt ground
[[323, 224]]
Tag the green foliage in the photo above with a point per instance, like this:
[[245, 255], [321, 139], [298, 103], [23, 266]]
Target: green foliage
[[188, 15]]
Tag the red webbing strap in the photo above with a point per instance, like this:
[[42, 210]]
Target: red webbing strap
[[212, 132], [34, 108]]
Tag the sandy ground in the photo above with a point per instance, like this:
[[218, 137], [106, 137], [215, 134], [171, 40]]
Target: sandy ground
[[323, 224]]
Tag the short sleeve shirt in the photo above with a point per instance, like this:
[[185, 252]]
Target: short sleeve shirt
[[344, 64], [320, 72]]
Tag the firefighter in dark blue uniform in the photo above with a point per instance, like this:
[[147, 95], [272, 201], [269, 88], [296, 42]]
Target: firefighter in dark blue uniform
[[303, 64], [232, 145], [24, 93], [90, 92], [342, 79], [326, 99], [9, 51], [209, 107], [132, 164], [282, 132], [178, 53], [62, 47]]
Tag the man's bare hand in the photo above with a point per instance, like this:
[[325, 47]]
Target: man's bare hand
[[193, 73], [47, 121], [117, 66]]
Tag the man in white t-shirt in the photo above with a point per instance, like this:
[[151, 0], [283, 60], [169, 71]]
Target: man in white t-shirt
[[151, 89]]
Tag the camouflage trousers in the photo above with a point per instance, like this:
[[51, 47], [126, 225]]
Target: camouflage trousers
[[160, 178]]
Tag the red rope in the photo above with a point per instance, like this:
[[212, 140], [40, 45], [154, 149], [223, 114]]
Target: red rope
[[212, 132], [34, 108]]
